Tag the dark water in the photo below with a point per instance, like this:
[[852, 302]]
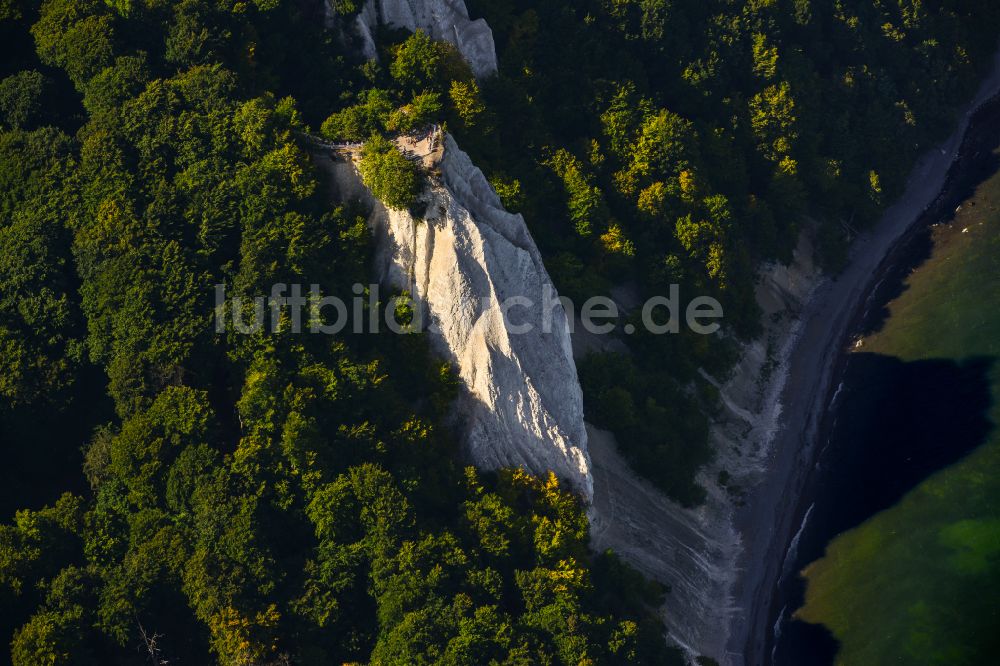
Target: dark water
[[897, 423], [894, 422]]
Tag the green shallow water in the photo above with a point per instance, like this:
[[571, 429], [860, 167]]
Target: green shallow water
[[919, 583]]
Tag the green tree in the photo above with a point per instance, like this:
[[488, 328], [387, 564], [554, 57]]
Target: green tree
[[372, 114], [416, 62], [467, 104], [586, 205], [392, 178], [110, 88], [773, 118], [423, 110], [21, 98], [421, 63], [76, 36], [665, 147]]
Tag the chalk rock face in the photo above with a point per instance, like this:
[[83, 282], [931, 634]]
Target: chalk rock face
[[445, 20], [521, 404], [697, 550]]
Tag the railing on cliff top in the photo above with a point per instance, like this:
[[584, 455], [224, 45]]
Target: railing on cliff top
[[434, 135]]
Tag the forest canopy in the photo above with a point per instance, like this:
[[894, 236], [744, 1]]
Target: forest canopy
[[178, 493], [659, 142], [187, 494]]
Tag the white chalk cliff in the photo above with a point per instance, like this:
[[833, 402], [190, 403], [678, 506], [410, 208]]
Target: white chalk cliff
[[443, 20], [521, 403]]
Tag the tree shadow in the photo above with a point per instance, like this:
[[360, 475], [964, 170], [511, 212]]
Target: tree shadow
[[43, 444], [805, 644], [897, 424]]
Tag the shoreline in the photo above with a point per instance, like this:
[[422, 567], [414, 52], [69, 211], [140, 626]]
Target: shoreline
[[767, 521], [982, 133]]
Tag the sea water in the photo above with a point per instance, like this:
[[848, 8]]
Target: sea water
[[900, 562]]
